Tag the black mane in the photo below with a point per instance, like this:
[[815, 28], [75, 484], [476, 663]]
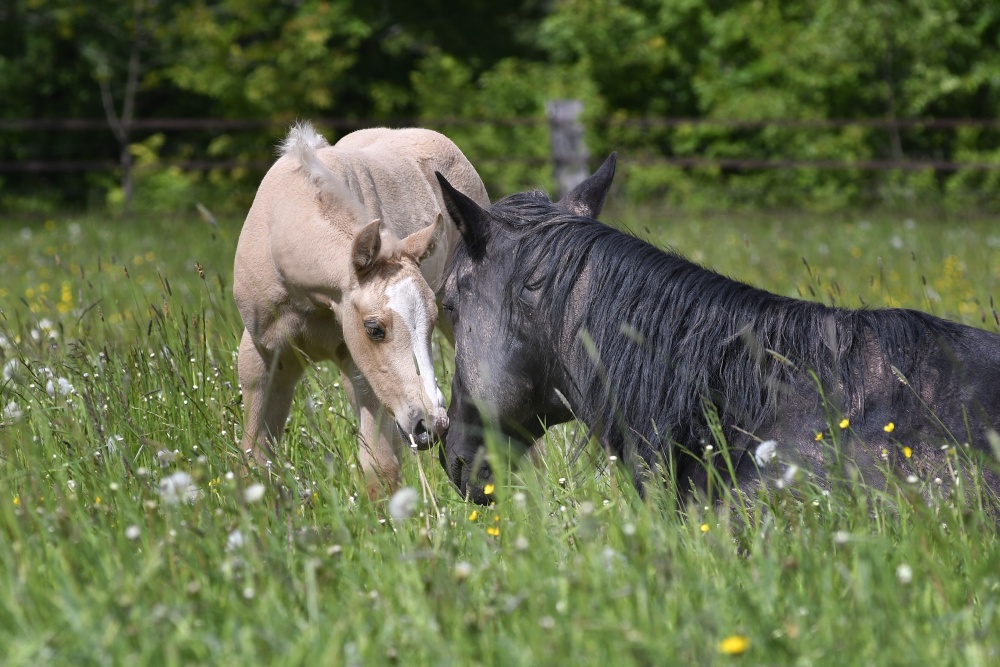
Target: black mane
[[670, 334]]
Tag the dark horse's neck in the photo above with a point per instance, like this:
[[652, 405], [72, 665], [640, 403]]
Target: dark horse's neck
[[654, 344]]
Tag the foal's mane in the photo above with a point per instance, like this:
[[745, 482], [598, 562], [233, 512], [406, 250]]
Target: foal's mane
[[670, 335]]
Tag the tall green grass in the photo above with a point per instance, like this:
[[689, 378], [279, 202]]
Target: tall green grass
[[119, 342]]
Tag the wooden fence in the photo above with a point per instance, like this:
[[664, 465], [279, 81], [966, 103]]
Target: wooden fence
[[569, 153]]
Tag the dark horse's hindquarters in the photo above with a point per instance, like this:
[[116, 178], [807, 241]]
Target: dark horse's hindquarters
[[550, 306]]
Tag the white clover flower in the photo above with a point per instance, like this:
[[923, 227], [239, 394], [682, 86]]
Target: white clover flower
[[766, 451], [13, 411], [904, 573], [254, 493], [132, 532], [178, 488], [403, 503]]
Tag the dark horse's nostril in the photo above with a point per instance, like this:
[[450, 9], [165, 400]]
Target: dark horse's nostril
[[420, 428]]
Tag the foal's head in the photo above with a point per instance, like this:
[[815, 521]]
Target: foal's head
[[505, 380], [387, 316]]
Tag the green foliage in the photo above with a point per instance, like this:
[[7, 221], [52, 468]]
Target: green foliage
[[482, 73]]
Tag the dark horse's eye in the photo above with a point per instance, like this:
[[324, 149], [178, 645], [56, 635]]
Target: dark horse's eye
[[374, 330]]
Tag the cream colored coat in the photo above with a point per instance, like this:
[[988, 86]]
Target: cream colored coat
[[318, 277]]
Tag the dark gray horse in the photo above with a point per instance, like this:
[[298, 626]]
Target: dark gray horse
[[558, 316]]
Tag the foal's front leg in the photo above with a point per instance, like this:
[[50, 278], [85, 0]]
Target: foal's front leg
[[268, 383], [379, 444]]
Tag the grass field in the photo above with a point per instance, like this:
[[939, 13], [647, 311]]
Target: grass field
[[128, 536]]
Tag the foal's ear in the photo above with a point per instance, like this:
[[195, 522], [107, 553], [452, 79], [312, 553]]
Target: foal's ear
[[420, 244], [587, 199], [470, 218], [367, 244]]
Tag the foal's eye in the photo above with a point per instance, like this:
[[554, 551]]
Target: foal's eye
[[374, 330]]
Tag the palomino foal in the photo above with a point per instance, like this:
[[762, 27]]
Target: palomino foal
[[339, 258]]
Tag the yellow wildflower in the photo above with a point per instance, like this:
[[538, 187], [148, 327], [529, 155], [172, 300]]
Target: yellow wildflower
[[474, 515], [496, 518], [734, 645], [888, 428], [17, 501], [819, 436], [705, 527], [488, 489], [844, 423], [493, 530], [907, 452]]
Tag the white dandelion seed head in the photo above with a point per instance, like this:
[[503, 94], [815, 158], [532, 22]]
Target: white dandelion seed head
[[13, 412], [178, 488], [790, 472], [132, 532], [904, 573], [403, 503], [462, 570], [64, 387], [235, 540], [11, 369], [766, 451], [254, 493]]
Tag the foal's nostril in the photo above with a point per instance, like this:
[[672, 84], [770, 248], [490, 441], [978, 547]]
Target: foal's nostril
[[420, 428]]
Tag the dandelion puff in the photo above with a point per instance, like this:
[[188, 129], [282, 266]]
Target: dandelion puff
[[132, 532], [462, 571], [403, 503], [235, 540], [64, 387], [112, 444], [11, 369], [13, 412], [904, 573], [178, 488], [766, 451], [253, 493]]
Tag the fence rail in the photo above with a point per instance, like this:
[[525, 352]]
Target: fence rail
[[341, 123]]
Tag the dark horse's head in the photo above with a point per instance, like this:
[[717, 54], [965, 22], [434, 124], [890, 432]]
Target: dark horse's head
[[504, 380]]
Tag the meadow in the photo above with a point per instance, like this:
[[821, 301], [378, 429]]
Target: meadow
[[128, 534]]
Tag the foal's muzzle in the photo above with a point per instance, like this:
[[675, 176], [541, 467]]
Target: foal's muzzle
[[423, 437]]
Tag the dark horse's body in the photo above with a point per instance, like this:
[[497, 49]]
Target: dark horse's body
[[558, 316]]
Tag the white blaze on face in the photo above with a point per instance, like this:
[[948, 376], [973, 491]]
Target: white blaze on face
[[405, 300]]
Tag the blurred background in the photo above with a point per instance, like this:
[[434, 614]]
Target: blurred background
[[159, 105]]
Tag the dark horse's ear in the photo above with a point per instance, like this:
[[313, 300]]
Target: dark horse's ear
[[470, 218], [587, 199]]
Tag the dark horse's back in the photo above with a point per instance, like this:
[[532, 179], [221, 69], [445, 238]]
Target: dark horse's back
[[915, 395]]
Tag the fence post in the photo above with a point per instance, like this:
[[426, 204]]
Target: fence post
[[569, 152]]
